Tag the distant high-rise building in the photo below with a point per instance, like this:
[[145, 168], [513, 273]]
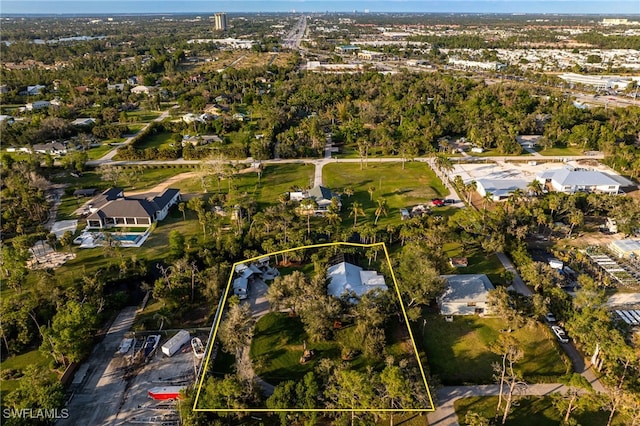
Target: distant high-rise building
[[220, 21]]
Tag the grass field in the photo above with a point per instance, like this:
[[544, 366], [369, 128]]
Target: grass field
[[478, 262], [99, 151], [531, 411], [417, 183], [560, 151], [458, 352], [277, 346], [158, 140], [20, 362]]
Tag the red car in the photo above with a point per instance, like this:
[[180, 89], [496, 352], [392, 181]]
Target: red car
[[437, 202]]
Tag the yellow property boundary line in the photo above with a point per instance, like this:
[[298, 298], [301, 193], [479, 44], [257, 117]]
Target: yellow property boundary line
[[210, 345]]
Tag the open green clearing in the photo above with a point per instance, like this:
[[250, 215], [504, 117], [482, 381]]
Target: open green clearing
[[277, 346], [416, 184], [479, 263], [531, 411], [569, 150], [458, 352], [158, 140], [99, 151], [20, 363]]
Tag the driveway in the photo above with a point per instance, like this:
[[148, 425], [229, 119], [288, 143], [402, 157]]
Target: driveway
[[99, 382]]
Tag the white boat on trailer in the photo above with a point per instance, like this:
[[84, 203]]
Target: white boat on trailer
[[198, 347]]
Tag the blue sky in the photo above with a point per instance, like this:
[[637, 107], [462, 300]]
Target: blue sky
[[618, 7]]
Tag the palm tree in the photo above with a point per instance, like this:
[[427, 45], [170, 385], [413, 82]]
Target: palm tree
[[470, 188], [576, 217], [443, 163], [308, 207], [535, 187], [356, 210], [348, 191], [371, 190], [381, 209]]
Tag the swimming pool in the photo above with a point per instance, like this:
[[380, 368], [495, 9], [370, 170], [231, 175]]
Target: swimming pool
[[132, 238]]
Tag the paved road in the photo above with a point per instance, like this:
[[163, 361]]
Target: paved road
[[98, 398], [577, 359], [445, 414], [518, 284], [108, 157]]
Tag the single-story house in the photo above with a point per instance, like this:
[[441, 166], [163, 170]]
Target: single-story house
[[346, 277], [465, 294], [626, 248], [347, 48], [35, 90], [84, 122], [118, 87], [37, 105], [322, 196], [570, 180], [53, 148], [499, 188], [201, 140], [112, 208], [141, 90], [245, 275]]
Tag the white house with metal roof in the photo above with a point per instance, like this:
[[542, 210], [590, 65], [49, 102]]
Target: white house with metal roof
[[465, 294], [346, 278], [570, 180]]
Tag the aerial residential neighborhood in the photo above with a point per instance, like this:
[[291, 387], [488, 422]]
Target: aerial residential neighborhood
[[351, 216]]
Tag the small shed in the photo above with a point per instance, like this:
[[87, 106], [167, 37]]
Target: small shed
[[174, 344]]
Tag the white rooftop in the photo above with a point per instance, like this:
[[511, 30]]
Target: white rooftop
[[575, 176], [346, 277], [466, 288]]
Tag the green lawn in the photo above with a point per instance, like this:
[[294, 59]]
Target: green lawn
[[276, 180], [277, 346], [415, 184], [458, 352], [479, 263], [20, 362], [142, 116], [100, 151], [560, 151], [158, 140], [531, 411]]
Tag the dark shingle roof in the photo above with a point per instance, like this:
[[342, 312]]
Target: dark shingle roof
[[128, 208], [321, 193], [163, 199]]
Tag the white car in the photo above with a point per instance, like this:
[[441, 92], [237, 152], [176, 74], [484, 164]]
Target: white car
[[560, 334]]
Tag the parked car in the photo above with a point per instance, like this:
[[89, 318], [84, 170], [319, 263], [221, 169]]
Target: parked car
[[449, 201], [560, 334], [550, 318], [438, 202]]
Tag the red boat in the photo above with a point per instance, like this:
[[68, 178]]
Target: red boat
[[165, 392]]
